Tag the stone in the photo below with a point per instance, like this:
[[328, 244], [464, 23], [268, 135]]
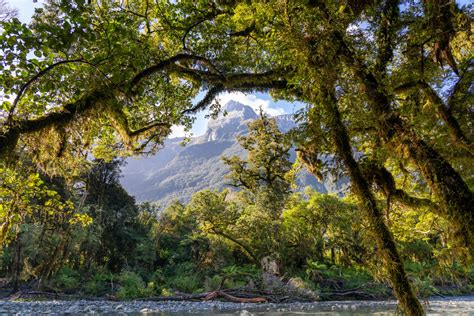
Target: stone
[[297, 286], [270, 265], [73, 309], [146, 310]]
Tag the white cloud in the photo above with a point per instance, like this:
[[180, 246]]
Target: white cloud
[[177, 131], [247, 99], [252, 101]]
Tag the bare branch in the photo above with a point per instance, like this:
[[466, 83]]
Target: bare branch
[[7, 12]]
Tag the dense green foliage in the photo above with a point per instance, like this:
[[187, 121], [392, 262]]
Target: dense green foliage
[[388, 80], [219, 238]]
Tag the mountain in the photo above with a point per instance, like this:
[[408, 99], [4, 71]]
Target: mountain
[[176, 171]]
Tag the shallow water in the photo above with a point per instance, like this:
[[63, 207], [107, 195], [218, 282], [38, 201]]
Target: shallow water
[[435, 307]]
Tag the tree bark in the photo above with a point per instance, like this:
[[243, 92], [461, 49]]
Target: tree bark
[[385, 243], [378, 174]]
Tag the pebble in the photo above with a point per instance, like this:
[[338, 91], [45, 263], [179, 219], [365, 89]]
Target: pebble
[[465, 304]]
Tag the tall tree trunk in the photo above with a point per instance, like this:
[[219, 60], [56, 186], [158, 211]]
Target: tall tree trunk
[[385, 243], [456, 199]]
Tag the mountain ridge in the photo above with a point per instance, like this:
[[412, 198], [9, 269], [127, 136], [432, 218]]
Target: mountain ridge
[[176, 171]]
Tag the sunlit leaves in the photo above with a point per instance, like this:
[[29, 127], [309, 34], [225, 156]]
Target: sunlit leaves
[[24, 197]]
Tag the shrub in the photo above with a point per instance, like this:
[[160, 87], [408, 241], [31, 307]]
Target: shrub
[[185, 283], [132, 286], [100, 284], [66, 280], [213, 283]]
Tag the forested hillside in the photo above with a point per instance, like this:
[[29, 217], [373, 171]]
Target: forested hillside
[[386, 89], [175, 172]]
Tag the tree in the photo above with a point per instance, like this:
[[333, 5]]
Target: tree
[[123, 86], [263, 179], [106, 86], [114, 213], [29, 203], [263, 176], [322, 228], [126, 91], [217, 216], [24, 196], [251, 218]]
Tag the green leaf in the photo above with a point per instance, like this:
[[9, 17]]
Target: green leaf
[[6, 105], [11, 41]]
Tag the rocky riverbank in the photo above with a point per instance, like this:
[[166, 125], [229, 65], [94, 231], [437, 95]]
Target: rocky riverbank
[[464, 305]]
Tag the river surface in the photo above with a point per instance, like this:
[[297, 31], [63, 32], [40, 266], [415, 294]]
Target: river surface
[[461, 305]]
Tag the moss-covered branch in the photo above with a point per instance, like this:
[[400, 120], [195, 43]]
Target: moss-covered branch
[[445, 113], [437, 171], [9, 138], [384, 180], [385, 35]]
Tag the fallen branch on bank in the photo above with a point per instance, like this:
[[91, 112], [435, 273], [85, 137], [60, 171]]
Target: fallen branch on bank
[[234, 299], [239, 295], [208, 296], [26, 294]]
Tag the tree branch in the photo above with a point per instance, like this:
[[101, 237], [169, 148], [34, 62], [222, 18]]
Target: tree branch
[[385, 35], [207, 17], [9, 138], [237, 242], [461, 88], [167, 63], [385, 181], [208, 98], [446, 115], [25, 86]]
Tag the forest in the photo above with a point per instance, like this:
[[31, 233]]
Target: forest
[[387, 93]]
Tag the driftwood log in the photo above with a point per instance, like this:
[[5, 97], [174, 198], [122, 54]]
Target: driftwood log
[[239, 295], [234, 299]]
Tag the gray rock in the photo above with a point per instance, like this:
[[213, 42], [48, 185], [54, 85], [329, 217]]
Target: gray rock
[[74, 309], [146, 310]]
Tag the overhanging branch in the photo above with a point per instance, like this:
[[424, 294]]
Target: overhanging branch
[[25, 86], [167, 63]]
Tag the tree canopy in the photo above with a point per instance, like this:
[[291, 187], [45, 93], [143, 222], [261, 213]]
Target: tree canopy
[[390, 81]]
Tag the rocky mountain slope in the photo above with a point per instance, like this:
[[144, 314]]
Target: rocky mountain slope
[[176, 171]]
